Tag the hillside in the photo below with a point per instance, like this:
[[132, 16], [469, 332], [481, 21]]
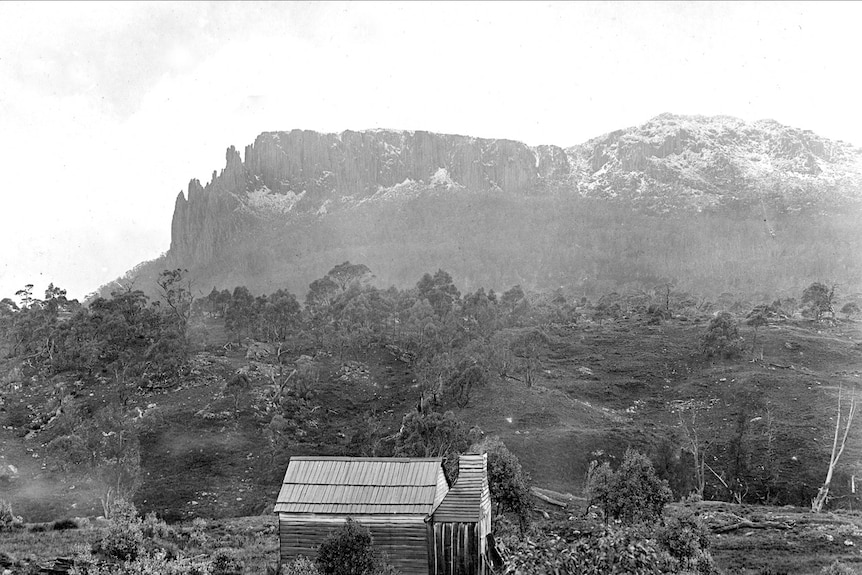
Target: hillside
[[712, 204], [193, 408], [601, 385], [599, 388]]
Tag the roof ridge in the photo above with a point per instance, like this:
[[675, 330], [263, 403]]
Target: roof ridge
[[380, 459], [292, 482]]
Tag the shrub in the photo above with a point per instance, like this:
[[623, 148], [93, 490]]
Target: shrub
[[838, 568], [8, 520], [686, 539], [300, 566], [198, 534], [153, 527], [64, 524], [123, 550], [632, 494], [227, 562], [610, 552], [721, 337], [124, 538], [160, 563], [350, 551]]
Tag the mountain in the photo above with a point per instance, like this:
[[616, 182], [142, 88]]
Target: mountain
[[695, 162], [711, 204]]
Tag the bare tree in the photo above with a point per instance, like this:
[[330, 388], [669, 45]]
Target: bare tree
[[697, 448], [737, 488], [823, 493]]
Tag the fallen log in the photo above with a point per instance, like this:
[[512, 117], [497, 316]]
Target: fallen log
[[751, 525], [547, 499], [60, 566]]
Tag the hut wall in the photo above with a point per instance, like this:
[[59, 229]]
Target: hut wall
[[402, 538], [456, 548]]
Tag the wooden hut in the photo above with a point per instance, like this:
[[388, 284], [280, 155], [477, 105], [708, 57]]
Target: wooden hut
[[393, 497], [459, 526]]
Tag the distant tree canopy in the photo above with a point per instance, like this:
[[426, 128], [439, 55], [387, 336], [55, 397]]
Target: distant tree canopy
[[818, 299], [439, 290], [125, 337]]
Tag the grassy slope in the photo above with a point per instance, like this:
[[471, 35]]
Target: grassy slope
[[602, 388], [638, 374]]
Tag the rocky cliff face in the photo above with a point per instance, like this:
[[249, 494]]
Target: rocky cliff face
[[209, 217], [357, 164], [302, 201], [287, 174]]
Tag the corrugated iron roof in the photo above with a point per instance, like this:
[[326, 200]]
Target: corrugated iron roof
[[470, 495], [359, 485]]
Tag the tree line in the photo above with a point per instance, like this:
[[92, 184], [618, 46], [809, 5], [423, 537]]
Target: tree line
[[453, 342]]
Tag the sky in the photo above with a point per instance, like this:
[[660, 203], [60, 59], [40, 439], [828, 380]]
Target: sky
[[107, 110]]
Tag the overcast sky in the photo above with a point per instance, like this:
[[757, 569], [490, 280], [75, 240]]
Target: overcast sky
[[108, 110]]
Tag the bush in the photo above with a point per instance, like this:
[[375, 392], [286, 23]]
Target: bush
[[686, 539], [300, 566], [632, 494], [153, 527], [124, 537], [154, 563], [198, 534], [64, 524], [8, 520], [721, 337], [838, 568], [610, 552], [350, 551], [127, 548], [227, 562]]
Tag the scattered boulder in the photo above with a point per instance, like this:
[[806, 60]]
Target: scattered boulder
[[586, 373], [354, 372]]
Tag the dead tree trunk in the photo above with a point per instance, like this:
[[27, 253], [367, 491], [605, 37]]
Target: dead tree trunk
[[698, 451], [823, 493]]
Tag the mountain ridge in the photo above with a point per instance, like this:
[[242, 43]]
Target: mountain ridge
[[348, 192]]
